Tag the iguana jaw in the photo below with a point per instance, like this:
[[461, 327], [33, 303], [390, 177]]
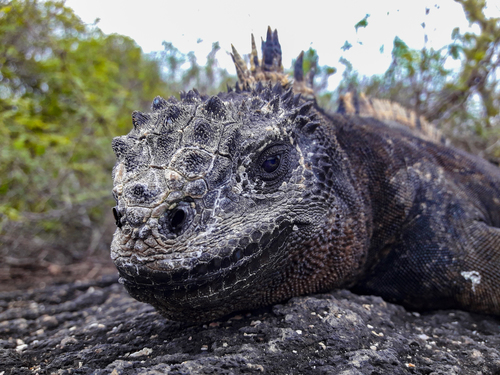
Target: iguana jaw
[[199, 285]]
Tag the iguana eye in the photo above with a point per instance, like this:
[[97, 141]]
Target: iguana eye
[[271, 163]]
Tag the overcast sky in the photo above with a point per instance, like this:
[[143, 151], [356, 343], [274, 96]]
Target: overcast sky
[[323, 25]]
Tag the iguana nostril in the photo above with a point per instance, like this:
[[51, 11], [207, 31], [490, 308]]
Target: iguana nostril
[[175, 222], [118, 217]]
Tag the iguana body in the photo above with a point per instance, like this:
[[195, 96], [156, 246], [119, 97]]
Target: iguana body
[[253, 196]]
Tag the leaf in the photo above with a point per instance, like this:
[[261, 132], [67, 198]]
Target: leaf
[[399, 47], [346, 47], [479, 55], [363, 23], [454, 50], [330, 70]]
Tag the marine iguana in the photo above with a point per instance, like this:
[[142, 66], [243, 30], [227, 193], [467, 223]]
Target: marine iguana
[[256, 195]]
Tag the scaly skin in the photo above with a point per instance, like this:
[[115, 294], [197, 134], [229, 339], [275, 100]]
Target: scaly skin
[[253, 196]]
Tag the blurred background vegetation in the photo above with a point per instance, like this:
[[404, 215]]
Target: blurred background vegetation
[[66, 89]]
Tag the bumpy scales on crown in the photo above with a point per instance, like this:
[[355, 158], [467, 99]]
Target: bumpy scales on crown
[[253, 196]]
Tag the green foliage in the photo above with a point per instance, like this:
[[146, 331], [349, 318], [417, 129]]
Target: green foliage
[[413, 76], [209, 79], [346, 47], [65, 91], [465, 102], [363, 23]]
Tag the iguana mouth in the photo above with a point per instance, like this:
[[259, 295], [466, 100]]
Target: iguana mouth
[[182, 289], [173, 270]]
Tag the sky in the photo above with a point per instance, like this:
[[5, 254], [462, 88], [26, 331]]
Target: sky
[[324, 25]]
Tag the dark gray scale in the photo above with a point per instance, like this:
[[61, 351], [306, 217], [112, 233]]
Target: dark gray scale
[[196, 188], [215, 108], [164, 146], [220, 173], [158, 103], [229, 140], [137, 158], [167, 135], [140, 119], [191, 97], [122, 145], [203, 134], [142, 193], [191, 163]]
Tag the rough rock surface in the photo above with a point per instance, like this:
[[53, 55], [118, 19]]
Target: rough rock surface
[[96, 328]]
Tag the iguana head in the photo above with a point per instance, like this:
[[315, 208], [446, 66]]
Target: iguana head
[[214, 197]]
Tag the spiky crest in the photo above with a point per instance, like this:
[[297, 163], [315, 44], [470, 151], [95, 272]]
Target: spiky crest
[[271, 52], [274, 100], [158, 103], [139, 119], [389, 112], [269, 89], [275, 104], [215, 107], [300, 84], [192, 96], [270, 68]]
